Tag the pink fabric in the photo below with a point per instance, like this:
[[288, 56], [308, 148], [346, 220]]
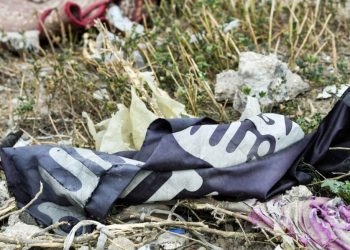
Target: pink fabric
[[87, 15], [316, 222], [23, 15]]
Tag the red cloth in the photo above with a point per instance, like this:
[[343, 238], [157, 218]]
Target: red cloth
[[23, 15], [78, 15]]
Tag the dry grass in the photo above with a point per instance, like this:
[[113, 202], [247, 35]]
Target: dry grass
[[142, 230], [299, 32]]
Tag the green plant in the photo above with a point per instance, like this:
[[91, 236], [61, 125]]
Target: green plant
[[340, 188], [24, 106], [309, 124]]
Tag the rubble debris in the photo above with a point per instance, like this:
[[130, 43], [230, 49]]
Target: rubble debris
[[98, 49], [194, 38], [28, 40], [327, 92], [101, 94], [138, 59], [170, 240], [115, 17], [16, 228], [121, 243], [4, 193], [333, 90], [174, 238], [259, 76], [234, 24]]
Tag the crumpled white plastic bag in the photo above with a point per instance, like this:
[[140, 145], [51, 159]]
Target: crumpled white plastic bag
[[126, 129], [140, 118]]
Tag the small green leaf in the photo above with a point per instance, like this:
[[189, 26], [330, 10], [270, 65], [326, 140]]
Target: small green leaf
[[246, 90], [262, 94]]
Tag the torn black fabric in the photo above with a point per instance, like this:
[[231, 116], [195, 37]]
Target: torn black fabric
[[329, 146], [180, 158]]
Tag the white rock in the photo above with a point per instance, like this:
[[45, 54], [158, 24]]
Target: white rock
[[28, 40], [327, 92], [121, 243], [170, 241], [138, 59], [194, 38], [108, 56], [146, 247], [298, 192], [231, 25], [4, 193], [332, 90], [227, 85], [342, 88], [266, 77], [100, 50], [16, 228], [326, 58], [101, 94], [124, 24]]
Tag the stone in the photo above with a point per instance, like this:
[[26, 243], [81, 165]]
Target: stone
[[18, 228], [16, 41], [109, 56], [170, 241], [333, 90], [138, 59], [234, 24], [4, 194], [344, 10], [263, 77], [227, 85], [115, 17], [121, 243]]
